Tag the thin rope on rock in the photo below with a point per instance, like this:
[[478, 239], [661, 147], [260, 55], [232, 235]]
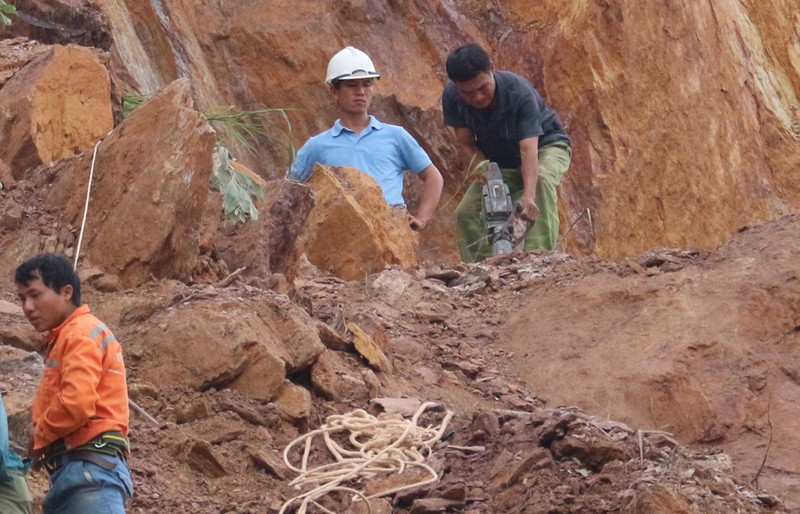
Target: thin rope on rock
[[382, 445]]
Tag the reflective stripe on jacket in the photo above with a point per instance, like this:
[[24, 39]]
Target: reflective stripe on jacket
[[82, 392]]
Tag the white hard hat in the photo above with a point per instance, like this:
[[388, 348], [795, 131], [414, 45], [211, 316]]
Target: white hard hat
[[351, 64]]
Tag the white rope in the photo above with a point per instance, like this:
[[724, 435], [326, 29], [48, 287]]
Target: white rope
[[380, 446], [86, 205]]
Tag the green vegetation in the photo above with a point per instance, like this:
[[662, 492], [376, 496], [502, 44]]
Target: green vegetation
[[244, 127], [130, 101], [4, 10], [240, 128], [238, 190], [478, 168]]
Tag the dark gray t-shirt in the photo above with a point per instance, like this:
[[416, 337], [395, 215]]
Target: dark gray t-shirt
[[517, 112]]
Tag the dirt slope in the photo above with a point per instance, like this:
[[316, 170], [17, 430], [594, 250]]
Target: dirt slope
[[681, 347], [705, 348]]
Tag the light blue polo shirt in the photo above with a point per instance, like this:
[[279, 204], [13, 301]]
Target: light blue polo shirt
[[382, 151], [9, 460]]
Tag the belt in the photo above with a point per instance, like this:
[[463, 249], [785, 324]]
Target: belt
[[107, 444], [104, 460]]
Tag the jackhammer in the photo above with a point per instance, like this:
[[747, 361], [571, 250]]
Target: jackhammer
[[500, 212]]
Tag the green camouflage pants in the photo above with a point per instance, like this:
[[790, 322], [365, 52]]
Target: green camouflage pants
[[14, 496], [554, 160]]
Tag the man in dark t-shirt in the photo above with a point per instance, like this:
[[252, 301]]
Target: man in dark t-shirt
[[499, 116]]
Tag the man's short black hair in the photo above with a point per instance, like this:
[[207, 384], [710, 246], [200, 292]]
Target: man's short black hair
[[54, 270], [467, 62]]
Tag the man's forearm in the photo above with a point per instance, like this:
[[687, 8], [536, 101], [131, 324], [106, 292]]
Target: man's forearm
[[468, 149], [471, 155], [530, 175], [529, 169], [431, 192], [529, 156]]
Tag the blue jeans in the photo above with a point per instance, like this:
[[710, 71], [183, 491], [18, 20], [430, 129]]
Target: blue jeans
[[80, 487]]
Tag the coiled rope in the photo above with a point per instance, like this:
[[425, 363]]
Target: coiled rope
[[379, 446]]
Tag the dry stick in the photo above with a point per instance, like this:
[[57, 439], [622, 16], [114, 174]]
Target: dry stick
[[641, 445], [86, 204], [513, 413], [225, 282], [467, 176], [769, 443], [467, 448], [564, 237], [142, 412], [640, 437]]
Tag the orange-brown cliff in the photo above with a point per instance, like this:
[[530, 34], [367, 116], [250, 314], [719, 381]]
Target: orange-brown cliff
[[684, 117]]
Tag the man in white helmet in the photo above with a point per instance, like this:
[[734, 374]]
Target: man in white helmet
[[357, 139]]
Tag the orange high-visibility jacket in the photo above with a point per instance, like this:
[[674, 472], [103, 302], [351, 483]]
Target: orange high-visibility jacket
[[83, 392]]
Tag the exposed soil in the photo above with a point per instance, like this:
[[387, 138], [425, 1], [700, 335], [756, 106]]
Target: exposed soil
[[684, 365], [662, 384]]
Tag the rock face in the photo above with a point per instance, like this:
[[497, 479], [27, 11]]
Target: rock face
[[16, 53], [351, 231], [684, 117], [78, 22], [267, 245], [150, 186], [682, 102], [57, 105]]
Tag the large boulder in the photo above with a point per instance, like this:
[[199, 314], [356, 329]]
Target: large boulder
[[245, 345], [57, 105], [351, 231], [150, 187]]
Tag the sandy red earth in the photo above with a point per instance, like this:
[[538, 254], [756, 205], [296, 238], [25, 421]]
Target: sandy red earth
[[665, 383], [661, 384]]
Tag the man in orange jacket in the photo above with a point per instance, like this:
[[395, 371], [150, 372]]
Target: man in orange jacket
[[80, 413]]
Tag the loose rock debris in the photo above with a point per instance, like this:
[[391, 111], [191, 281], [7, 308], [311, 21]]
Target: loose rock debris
[[217, 450]]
